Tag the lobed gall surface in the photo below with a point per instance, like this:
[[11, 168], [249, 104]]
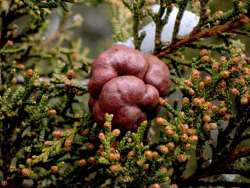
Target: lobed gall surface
[[128, 84]]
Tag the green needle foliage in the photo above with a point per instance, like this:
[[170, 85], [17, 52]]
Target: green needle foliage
[[48, 137]]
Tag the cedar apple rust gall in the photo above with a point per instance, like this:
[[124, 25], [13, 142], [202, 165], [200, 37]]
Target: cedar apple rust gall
[[128, 84]]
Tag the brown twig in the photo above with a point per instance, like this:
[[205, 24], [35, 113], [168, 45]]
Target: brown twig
[[196, 35]]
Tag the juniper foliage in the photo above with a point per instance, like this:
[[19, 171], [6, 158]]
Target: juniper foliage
[[49, 138]]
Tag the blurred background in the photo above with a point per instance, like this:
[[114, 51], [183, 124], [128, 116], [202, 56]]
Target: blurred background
[[96, 29]]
